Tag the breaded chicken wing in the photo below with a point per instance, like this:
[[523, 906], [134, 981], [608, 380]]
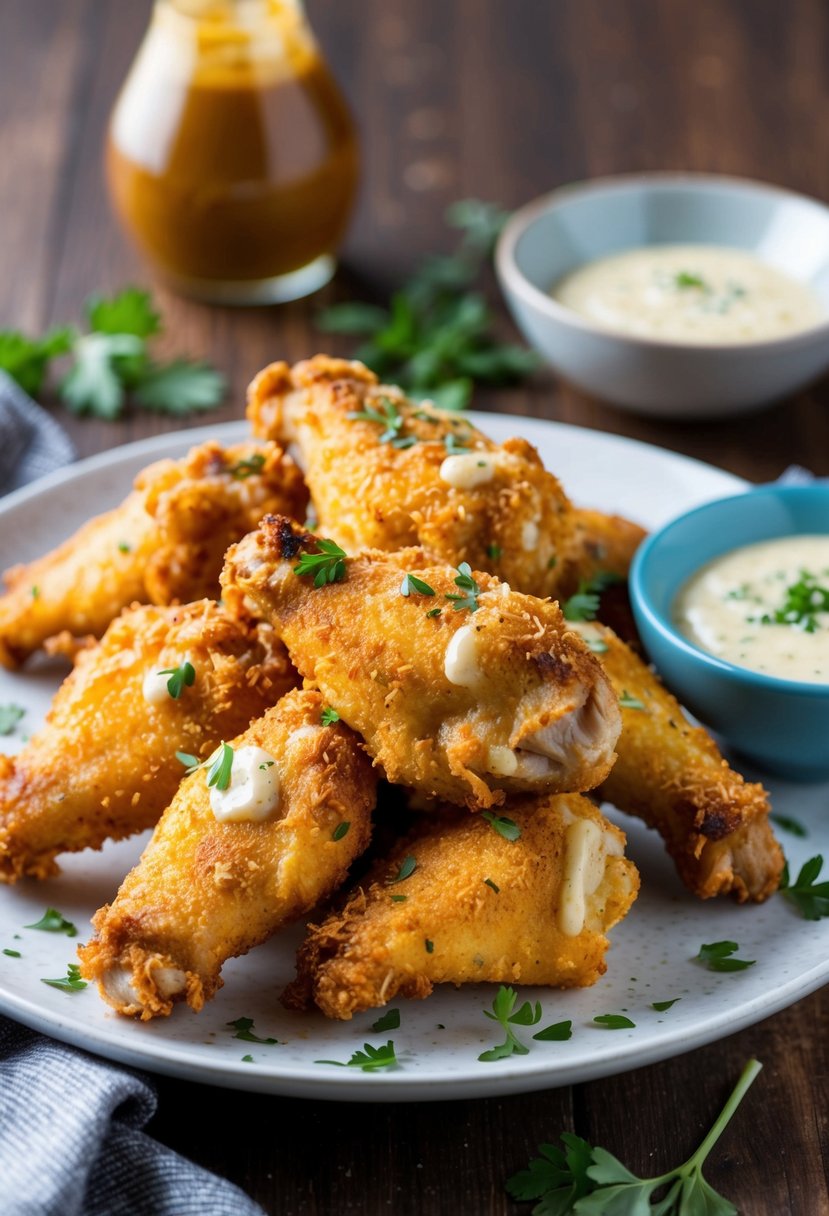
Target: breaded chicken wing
[[225, 868], [460, 687], [478, 907], [601, 544], [165, 543], [387, 473], [104, 766], [671, 774]]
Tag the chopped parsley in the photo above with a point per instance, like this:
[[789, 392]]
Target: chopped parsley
[[584, 604], [503, 825], [35, 593], [398, 899], [53, 921], [124, 546], [811, 898], [493, 552], [369, 1059], [244, 1031], [13, 953], [329, 716], [242, 469], [577, 1177], [684, 279], [180, 677], [433, 612], [661, 1006], [10, 715], [218, 775], [407, 868], [627, 701], [719, 956], [453, 447], [412, 583], [340, 830], [507, 1016], [559, 1032], [247, 1059], [327, 566], [71, 982], [466, 583], [429, 944], [392, 421], [492, 884], [803, 601], [390, 1020], [614, 1021]]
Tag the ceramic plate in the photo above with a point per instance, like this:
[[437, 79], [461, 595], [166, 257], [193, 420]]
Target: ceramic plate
[[439, 1040]]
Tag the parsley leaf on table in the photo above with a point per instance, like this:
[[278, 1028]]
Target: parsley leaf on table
[[586, 1181], [507, 1016], [10, 715], [811, 898], [436, 336]]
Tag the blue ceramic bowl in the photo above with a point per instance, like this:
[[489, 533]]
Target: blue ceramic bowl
[[781, 725], [551, 236]]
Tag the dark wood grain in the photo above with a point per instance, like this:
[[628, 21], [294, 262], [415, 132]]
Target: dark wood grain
[[502, 101]]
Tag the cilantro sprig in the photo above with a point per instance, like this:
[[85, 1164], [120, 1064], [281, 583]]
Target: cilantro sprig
[[811, 898], [468, 599], [181, 677], [369, 1059], [327, 566], [586, 1181], [111, 362], [436, 336]]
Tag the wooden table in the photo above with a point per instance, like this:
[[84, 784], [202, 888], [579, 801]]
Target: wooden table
[[501, 101]]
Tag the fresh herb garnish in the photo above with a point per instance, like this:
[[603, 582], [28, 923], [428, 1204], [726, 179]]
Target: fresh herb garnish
[[429, 944], [398, 899], [247, 1059], [809, 897], [72, 982], [407, 868], [244, 1031], [661, 1006], [180, 677], [124, 546], [453, 446], [507, 1016], [111, 361], [412, 583], [433, 612], [803, 601], [494, 885], [788, 824], [493, 552], [614, 1021], [436, 337], [247, 467], [329, 716], [503, 825], [10, 715], [35, 592], [466, 583], [626, 701], [191, 763], [340, 830], [218, 775], [684, 278], [559, 1032], [596, 645], [587, 1181], [327, 566], [13, 953], [369, 1059], [392, 421], [584, 604], [718, 956], [53, 921], [390, 1020]]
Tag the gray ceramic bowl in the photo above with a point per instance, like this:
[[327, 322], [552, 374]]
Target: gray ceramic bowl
[[553, 235]]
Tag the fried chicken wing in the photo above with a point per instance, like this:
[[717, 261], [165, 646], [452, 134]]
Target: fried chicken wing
[[164, 543], [535, 910], [104, 765], [387, 473], [464, 705], [601, 544], [671, 774], [226, 868]]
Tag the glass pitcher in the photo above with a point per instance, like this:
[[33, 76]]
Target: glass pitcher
[[231, 156]]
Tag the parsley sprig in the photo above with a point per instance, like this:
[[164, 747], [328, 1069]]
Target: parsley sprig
[[181, 677], [811, 898], [436, 336], [327, 566], [586, 1181], [71, 982], [584, 603], [369, 1059], [111, 361], [507, 1016], [469, 589]]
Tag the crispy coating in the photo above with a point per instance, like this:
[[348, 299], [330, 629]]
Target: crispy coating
[[104, 765], [478, 907], [205, 891], [601, 544], [527, 707], [163, 544], [375, 492], [671, 774]]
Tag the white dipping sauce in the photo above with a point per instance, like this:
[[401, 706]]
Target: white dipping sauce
[[690, 293], [253, 792], [765, 607]]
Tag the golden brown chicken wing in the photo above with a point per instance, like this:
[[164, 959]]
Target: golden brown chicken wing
[[460, 687], [387, 473], [671, 774], [226, 867], [601, 544], [165, 543], [534, 910], [104, 765]]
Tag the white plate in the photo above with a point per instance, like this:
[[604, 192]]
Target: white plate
[[439, 1040]]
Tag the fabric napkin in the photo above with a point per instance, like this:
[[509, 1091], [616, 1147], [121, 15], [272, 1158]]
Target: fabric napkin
[[31, 442], [71, 1142]]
